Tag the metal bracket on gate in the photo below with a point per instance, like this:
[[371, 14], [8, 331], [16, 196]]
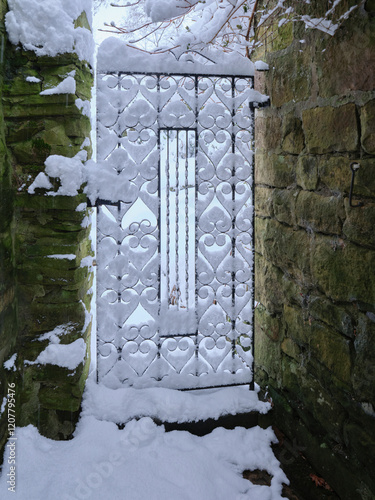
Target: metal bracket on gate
[[100, 202], [260, 105]]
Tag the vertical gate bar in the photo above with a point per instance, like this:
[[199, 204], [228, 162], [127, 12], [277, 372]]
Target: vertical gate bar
[[98, 208], [196, 222], [159, 211], [118, 112], [177, 220], [187, 220], [119, 350], [167, 221], [252, 172], [233, 229]]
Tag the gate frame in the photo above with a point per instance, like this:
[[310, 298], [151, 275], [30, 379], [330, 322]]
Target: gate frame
[[253, 104]]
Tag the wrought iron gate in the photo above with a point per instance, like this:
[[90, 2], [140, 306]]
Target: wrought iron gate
[[174, 244]]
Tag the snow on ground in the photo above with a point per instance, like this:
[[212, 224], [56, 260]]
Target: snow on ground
[[142, 461]]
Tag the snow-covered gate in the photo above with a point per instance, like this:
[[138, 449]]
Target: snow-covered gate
[[175, 229]]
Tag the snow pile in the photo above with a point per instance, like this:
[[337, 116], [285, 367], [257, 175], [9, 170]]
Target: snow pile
[[60, 256], [68, 170], [115, 55], [166, 9], [67, 86], [64, 355], [47, 27], [33, 79], [143, 462], [169, 405], [11, 363]]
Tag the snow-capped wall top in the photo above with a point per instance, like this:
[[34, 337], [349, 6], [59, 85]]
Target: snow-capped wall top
[[47, 27], [115, 55]]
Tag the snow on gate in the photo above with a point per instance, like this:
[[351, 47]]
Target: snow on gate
[[175, 212]]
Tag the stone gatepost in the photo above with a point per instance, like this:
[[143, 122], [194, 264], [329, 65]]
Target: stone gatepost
[[45, 249]]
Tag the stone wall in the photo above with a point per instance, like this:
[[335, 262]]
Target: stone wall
[[48, 294], [8, 303], [315, 255]]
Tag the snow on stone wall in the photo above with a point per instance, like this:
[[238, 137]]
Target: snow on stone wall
[[50, 28]]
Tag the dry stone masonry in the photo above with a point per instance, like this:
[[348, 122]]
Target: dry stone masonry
[[44, 274], [315, 255]]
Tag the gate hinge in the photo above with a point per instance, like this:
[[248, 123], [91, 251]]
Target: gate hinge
[[258, 105]]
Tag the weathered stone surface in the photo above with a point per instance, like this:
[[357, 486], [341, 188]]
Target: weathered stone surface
[[348, 63], [364, 368], [308, 391], [332, 350], [289, 77], [307, 172], [263, 201], [320, 213], [360, 223], [268, 323], [331, 129], [335, 174], [49, 292], [269, 290], [267, 132], [284, 247], [266, 348], [327, 346], [290, 348], [274, 170], [297, 324], [293, 140], [341, 270], [326, 311], [325, 394], [360, 444], [368, 127], [273, 287], [284, 205]]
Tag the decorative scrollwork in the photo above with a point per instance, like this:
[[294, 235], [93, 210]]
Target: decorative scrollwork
[[175, 235]]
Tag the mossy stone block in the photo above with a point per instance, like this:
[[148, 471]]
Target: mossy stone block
[[23, 131], [34, 151], [268, 355], [363, 377], [263, 201], [297, 324], [268, 132], [360, 223], [320, 213], [285, 247], [290, 77], [368, 127], [341, 270], [291, 348], [348, 63], [328, 129], [338, 317], [284, 205], [274, 170], [331, 349], [335, 174], [271, 285], [293, 139], [307, 172]]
